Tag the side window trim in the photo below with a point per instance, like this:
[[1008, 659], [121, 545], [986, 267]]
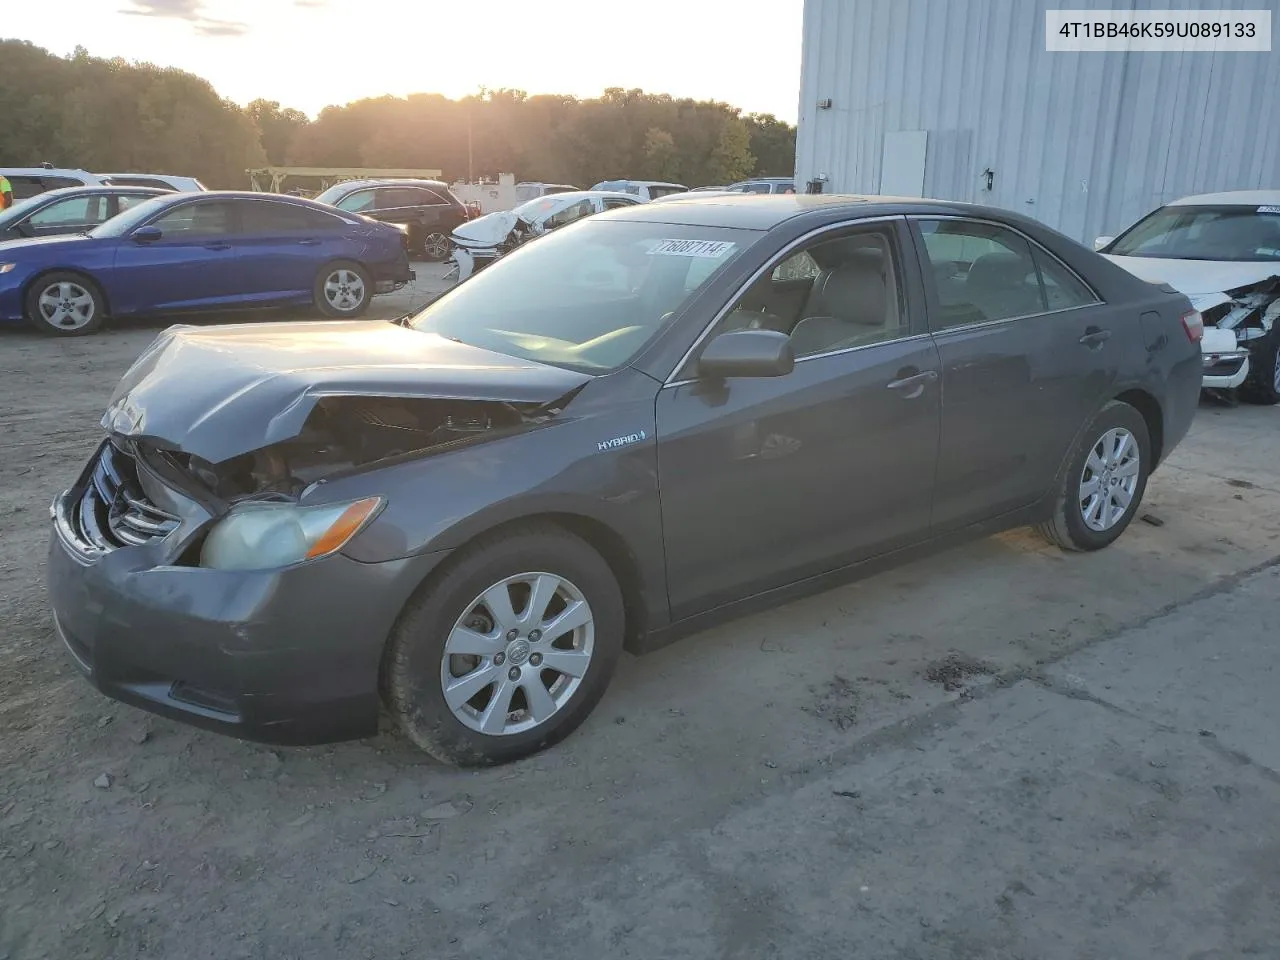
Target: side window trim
[[909, 280], [933, 307]]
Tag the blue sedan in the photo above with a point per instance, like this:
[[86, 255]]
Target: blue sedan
[[199, 252]]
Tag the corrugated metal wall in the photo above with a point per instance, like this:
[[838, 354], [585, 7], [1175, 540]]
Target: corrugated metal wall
[[1085, 142]]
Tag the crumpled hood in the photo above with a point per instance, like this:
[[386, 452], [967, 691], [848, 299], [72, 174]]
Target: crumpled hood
[[487, 231], [1198, 277], [218, 392]]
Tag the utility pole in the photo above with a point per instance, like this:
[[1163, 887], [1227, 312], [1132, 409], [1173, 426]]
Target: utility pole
[[471, 172]]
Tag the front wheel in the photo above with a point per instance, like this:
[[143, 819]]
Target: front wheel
[[65, 304], [508, 651], [1263, 384], [343, 289], [435, 246], [1103, 484]]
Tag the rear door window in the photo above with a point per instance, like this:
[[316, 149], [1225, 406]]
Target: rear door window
[[266, 216], [127, 200]]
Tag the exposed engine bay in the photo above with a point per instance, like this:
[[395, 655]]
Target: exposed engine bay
[[343, 434], [1252, 313]]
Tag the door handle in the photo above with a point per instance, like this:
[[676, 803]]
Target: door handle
[[1095, 337], [912, 383], [217, 246], [309, 243]]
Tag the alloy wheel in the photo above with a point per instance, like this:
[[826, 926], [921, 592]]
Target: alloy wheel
[[436, 246], [1109, 479], [517, 654], [66, 305], [344, 289]]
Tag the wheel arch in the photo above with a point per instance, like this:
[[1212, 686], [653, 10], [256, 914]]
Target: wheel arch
[[1149, 407], [79, 272], [605, 539]]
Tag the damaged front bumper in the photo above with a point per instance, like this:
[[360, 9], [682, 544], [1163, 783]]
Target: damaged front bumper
[[1226, 363], [1239, 339], [286, 655]]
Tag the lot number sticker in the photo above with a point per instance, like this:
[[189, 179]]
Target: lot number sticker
[[1269, 209], [705, 249]]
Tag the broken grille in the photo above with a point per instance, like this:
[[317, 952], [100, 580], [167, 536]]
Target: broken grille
[[114, 512]]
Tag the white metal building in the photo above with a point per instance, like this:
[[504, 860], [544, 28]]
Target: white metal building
[[959, 100]]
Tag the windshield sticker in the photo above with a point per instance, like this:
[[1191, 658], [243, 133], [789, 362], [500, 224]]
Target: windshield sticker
[[705, 249], [1269, 209]]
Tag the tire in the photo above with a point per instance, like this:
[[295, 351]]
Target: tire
[[65, 304], [449, 613], [1076, 518], [1263, 385], [343, 289], [436, 246]]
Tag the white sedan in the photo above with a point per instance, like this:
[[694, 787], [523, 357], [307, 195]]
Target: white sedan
[[479, 242], [1223, 251]]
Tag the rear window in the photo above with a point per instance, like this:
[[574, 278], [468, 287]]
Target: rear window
[[656, 192]]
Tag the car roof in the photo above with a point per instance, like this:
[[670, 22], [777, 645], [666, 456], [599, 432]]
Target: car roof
[[95, 188], [1246, 198], [757, 211], [391, 182], [49, 172]]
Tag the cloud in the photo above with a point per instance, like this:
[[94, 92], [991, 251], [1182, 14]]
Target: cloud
[[311, 4], [221, 28], [180, 9], [189, 10]]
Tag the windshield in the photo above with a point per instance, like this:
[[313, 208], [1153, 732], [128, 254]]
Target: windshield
[[532, 209], [20, 209], [333, 194], [1203, 233], [588, 297], [120, 225]]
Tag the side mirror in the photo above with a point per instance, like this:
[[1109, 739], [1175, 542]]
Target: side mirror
[[146, 235], [1100, 242], [747, 353]]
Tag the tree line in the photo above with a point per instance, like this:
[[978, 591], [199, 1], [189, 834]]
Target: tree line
[[113, 115]]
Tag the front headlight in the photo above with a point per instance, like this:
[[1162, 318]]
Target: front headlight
[[258, 536], [402, 227], [6, 267]]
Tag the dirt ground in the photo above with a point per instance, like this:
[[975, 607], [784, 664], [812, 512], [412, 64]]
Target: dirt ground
[[742, 793]]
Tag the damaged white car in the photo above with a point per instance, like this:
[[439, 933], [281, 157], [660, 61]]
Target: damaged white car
[[479, 242], [1223, 251]]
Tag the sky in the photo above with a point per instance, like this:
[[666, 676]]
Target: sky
[[311, 53]]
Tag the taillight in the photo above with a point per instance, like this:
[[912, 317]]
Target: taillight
[[1193, 324]]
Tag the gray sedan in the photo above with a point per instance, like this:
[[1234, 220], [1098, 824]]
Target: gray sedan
[[637, 426]]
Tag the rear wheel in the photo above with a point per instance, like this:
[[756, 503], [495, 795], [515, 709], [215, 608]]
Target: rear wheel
[[1263, 384], [343, 289], [65, 304], [508, 651], [1103, 484], [435, 246]]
